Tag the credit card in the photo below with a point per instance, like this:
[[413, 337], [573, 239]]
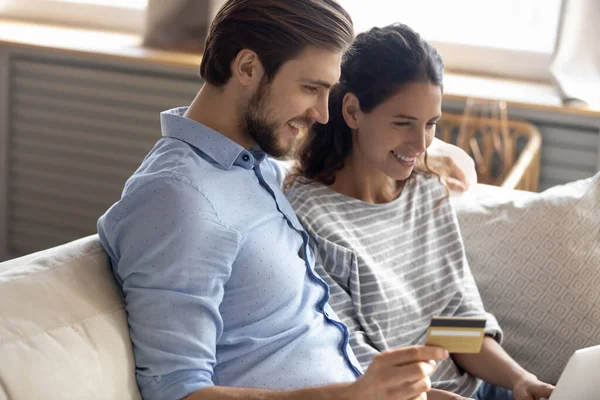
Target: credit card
[[456, 334]]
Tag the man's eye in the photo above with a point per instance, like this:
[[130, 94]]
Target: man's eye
[[311, 89], [431, 124], [402, 124]]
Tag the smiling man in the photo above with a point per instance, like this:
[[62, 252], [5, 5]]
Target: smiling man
[[219, 280]]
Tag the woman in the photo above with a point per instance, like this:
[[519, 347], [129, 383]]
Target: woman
[[387, 235]]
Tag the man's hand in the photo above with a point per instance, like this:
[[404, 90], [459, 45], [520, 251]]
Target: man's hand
[[530, 388], [435, 394], [401, 374], [452, 163]]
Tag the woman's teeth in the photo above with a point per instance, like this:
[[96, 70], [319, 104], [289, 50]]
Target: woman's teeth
[[403, 158]]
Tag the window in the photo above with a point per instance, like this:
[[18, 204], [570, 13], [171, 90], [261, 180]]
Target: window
[[503, 37], [513, 38], [121, 15]]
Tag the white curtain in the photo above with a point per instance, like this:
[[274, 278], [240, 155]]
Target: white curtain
[[576, 65], [179, 24]]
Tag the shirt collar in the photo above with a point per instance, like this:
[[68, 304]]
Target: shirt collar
[[222, 150]]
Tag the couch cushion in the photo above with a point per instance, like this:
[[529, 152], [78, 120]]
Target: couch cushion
[[63, 327], [536, 261]]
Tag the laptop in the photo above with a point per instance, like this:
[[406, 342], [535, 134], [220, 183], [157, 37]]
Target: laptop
[[580, 378]]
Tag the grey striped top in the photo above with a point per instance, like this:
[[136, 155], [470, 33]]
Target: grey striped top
[[391, 267]]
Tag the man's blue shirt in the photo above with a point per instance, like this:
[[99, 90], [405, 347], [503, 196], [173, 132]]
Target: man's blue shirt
[[217, 272]]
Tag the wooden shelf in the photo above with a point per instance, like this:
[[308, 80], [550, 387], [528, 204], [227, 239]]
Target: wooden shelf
[[523, 94], [108, 44]]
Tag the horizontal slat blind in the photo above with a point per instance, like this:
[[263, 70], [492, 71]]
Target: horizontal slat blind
[[77, 132], [568, 154]]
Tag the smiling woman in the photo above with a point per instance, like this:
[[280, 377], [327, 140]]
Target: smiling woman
[[121, 15]]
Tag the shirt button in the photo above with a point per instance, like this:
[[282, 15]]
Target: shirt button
[[246, 157], [326, 314]]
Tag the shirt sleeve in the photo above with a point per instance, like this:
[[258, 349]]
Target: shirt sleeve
[[470, 304], [172, 255]]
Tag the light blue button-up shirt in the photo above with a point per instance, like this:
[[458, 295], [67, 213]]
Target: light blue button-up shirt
[[217, 272]]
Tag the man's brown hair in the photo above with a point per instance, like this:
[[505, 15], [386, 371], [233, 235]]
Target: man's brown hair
[[277, 30]]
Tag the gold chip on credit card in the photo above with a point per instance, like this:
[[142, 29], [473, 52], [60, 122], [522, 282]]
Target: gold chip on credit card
[[456, 334]]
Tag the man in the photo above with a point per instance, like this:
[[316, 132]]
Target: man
[[217, 273]]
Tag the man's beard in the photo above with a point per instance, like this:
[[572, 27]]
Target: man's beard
[[256, 123]]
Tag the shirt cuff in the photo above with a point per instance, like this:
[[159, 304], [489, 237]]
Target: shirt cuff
[[492, 328], [174, 386]]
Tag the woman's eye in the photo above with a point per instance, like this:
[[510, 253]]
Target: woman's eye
[[432, 124], [311, 89], [402, 124]]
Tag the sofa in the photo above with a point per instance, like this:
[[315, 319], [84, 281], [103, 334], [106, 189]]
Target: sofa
[[63, 326]]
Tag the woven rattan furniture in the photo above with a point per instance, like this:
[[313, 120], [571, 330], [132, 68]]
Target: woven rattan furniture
[[510, 160]]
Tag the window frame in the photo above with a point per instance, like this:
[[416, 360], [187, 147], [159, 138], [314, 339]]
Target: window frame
[[505, 63], [530, 65], [106, 17]]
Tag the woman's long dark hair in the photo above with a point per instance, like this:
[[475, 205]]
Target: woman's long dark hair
[[375, 67]]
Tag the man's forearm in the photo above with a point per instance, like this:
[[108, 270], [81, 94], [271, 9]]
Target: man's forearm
[[492, 364], [329, 392]]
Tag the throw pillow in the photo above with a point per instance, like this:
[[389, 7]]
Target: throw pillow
[[536, 261]]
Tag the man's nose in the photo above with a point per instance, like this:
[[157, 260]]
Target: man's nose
[[320, 111]]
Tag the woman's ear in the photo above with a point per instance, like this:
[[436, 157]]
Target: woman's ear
[[351, 110]]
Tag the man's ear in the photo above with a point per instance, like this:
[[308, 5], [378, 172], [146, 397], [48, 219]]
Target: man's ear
[[351, 110], [246, 68]]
